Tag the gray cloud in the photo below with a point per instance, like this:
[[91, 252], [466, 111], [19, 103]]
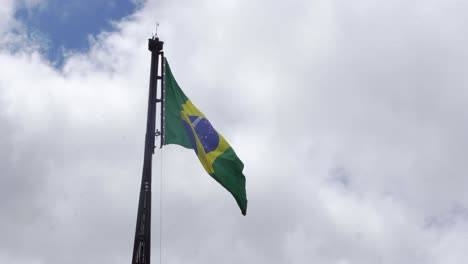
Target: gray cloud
[[350, 118]]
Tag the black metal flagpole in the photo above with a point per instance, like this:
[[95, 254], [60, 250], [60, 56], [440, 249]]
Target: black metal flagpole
[[142, 243]]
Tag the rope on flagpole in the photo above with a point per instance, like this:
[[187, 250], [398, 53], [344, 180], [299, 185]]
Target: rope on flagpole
[[160, 207]]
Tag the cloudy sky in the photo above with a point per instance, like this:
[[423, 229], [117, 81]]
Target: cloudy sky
[[351, 118]]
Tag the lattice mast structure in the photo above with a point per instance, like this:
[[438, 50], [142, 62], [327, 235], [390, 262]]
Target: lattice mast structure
[[142, 243]]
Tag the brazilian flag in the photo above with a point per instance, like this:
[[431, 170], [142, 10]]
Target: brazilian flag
[[186, 126]]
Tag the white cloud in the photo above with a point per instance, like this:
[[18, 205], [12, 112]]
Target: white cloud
[[349, 117]]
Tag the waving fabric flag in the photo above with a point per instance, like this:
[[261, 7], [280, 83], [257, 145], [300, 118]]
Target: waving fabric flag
[[186, 126]]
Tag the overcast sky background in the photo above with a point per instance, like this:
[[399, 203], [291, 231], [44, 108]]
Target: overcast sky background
[[351, 118]]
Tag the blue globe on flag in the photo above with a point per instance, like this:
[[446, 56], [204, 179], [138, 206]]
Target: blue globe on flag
[[204, 131]]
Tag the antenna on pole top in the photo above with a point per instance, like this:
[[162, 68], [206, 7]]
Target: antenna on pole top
[[157, 26]]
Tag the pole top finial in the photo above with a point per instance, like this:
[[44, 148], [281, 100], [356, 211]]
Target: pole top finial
[[155, 35], [154, 44]]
